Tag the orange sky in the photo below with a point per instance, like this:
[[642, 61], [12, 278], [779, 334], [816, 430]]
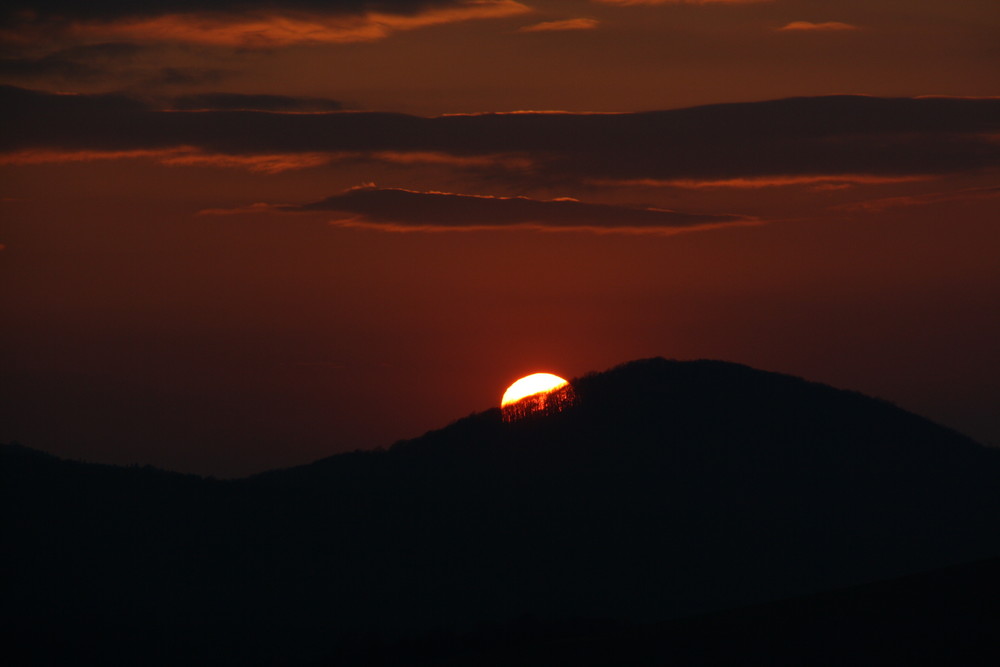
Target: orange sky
[[258, 235]]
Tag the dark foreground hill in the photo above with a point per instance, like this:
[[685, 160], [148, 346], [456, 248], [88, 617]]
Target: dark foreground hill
[[672, 490]]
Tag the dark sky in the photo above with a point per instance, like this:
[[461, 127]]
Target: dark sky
[[245, 235]]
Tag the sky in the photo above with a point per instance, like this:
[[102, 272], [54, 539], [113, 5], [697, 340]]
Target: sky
[[245, 235]]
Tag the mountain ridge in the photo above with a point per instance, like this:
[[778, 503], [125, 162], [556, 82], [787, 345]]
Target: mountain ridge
[[670, 489]]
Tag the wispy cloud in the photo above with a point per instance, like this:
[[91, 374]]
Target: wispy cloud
[[271, 163], [268, 26], [123, 64], [807, 26], [394, 209], [560, 26], [244, 102], [499, 160], [261, 163], [836, 141], [681, 2], [34, 156], [819, 181], [77, 63], [182, 156], [875, 205], [32, 10]]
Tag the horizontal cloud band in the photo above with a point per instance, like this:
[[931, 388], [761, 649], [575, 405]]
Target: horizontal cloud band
[[110, 9], [399, 209], [245, 25], [821, 135]]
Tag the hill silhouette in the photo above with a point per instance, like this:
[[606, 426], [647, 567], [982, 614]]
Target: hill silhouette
[[670, 490]]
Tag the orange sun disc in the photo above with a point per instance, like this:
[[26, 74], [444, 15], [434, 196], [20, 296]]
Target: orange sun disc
[[531, 385], [535, 396]]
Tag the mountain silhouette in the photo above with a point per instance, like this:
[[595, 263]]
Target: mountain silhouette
[[669, 491]]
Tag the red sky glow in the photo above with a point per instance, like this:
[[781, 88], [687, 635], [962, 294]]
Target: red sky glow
[[201, 207]]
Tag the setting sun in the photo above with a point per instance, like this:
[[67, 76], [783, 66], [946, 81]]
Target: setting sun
[[540, 393], [531, 384]]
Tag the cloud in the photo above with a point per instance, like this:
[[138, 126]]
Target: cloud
[[270, 163], [180, 76], [85, 62], [20, 10], [184, 156], [829, 26], [242, 102], [121, 62], [393, 209], [819, 138], [258, 25], [818, 181], [875, 205], [262, 163], [558, 26], [486, 161], [34, 68], [50, 156], [681, 2]]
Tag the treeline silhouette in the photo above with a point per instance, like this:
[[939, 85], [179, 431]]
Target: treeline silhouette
[[669, 490], [542, 404]]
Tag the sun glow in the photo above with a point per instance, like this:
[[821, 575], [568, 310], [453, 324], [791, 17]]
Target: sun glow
[[531, 384], [540, 393]]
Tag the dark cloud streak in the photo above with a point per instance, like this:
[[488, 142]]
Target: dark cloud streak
[[238, 101], [112, 9], [400, 209], [924, 199], [115, 62], [822, 135], [76, 63]]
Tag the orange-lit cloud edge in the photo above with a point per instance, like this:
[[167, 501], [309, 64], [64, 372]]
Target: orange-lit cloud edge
[[561, 26], [817, 181], [181, 156], [400, 228], [269, 163], [681, 2], [276, 28], [808, 26], [274, 163], [350, 215], [925, 199], [556, 152]]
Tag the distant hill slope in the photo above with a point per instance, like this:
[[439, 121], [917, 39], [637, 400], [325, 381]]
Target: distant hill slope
[[949, 616], [671, 489]]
